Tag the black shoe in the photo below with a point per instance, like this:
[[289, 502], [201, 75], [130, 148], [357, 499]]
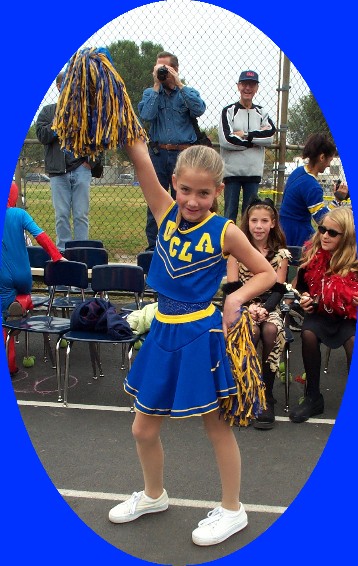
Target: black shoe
[[308, 408], [266, 419]]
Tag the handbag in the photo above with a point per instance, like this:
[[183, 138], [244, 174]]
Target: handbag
[[97, 169], [201, 137]]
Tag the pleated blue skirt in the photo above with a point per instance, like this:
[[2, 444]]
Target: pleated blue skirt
[[182, 369]]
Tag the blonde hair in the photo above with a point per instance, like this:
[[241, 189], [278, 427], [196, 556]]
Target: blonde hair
[[344, 258], [204, 158]]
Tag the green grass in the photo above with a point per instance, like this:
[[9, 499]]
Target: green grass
[[117, 216]]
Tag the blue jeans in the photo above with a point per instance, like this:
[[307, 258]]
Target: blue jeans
[[70, 194], [164, 165], [232, 196]]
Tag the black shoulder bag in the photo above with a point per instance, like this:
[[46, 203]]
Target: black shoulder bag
[[202, 138]]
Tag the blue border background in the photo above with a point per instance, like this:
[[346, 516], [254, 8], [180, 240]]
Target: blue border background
[[37, 38]]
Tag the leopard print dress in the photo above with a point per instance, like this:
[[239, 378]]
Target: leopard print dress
[[275, 317]]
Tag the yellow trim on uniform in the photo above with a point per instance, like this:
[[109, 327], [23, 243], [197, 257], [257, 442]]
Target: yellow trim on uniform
[[190, 317], [316, 207], [165, 213], [222, 238]]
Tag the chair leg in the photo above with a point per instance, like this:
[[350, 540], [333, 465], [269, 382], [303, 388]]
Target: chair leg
[[123, 363], [326, 361], [67, 372], [58, 370], [287, 376], [95, 354], [47, 347]]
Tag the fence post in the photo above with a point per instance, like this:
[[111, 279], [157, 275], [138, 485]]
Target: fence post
[[283, 129]]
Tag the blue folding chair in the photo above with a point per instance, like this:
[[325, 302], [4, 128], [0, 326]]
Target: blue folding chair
[[38, 258], [89, 256], [105, 278], [144, 260], [84, 244], [55, 274]]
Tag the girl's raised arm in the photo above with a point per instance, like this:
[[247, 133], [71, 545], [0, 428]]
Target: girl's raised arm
[[158, 199]]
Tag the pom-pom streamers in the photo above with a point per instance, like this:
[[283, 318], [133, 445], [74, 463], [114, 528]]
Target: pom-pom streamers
[[94, 112], [240, 409]]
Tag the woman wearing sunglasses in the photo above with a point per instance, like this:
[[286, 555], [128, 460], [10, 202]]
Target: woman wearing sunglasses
[[328, 283]]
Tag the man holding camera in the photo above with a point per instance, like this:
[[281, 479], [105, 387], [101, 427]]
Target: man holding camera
[[169, 106]]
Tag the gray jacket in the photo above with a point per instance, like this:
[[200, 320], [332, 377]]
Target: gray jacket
[[244, 157], [57, 161]]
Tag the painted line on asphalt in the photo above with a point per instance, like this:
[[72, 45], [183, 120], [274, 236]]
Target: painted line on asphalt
[[193, 503], [112, 408]]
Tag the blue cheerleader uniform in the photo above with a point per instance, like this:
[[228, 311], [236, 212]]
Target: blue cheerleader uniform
[[182, 369]]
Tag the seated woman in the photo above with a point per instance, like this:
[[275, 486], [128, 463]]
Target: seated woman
[[328, 282], [15, 272], [260, 224]]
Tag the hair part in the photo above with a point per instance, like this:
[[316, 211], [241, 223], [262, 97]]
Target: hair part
[[316, 145], [203, 158], [344, 258], [173, 58]]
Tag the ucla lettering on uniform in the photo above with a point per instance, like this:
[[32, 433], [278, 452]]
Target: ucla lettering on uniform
[[205, 244]]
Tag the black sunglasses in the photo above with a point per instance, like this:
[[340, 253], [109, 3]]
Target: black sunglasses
[[331, 233]]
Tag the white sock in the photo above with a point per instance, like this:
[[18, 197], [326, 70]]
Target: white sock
[[230, 512], [151, 498]]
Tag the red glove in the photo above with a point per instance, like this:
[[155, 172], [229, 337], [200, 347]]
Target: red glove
[[47, 244]]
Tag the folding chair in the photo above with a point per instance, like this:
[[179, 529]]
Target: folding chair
[[84, 244], [55, 273], [38, 258], [119, 277], [133, 281], [89, 256], [287, 310], [144, 260]]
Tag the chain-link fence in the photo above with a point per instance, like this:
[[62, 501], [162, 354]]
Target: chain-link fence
[[213, 45]]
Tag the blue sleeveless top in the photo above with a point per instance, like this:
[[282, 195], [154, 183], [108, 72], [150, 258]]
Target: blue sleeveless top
[[188, 265]]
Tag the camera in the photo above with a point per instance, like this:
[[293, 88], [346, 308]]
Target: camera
[[162, 73], [314, 305]]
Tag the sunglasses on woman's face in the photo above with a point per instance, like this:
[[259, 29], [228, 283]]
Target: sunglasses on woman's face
[[331, 233]]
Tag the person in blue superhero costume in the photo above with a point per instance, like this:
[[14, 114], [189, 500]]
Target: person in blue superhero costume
[[182, 369]]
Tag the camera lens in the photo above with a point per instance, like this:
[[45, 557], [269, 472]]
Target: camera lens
[[162, 73]]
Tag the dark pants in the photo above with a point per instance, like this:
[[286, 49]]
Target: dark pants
[[164, 164], [232, 196]]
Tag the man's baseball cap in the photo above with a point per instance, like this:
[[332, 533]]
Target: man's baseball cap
[[249, 76]]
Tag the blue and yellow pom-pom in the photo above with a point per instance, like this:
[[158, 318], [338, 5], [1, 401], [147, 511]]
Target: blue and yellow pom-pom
[[94, 112], [246, 405]]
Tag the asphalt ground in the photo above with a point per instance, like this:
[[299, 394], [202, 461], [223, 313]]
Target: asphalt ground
[[88, 452]]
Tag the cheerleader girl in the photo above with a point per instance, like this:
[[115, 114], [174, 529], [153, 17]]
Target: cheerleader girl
[[182, 369], [328, 281]]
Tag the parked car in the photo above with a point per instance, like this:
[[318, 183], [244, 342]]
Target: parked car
[[37, 178], [126, 179]]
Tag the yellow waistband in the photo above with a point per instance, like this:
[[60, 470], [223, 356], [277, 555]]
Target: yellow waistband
[[190, 317]]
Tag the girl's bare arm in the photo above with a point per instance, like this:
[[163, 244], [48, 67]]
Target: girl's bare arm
[[158, 199]]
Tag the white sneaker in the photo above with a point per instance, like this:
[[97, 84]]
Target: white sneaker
[[138, 504], [219, 525]]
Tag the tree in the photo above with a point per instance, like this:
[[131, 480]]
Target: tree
[[135, 65], [305, 118]]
